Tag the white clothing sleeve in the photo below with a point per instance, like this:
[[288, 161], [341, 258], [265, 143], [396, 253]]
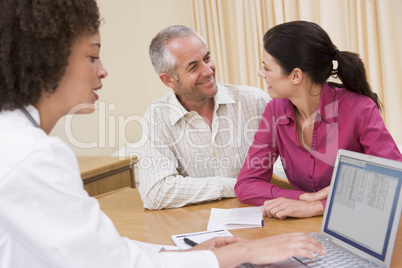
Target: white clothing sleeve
[[48, 220]]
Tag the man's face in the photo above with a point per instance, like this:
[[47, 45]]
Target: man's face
[[195, 70]]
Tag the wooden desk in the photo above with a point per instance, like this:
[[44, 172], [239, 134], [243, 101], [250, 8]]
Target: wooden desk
[[124, 207], [103, 174]]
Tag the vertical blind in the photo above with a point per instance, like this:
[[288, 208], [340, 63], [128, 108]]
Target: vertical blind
[[233, 30]]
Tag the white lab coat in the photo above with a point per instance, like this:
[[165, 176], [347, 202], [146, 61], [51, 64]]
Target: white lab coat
[[48, 220]]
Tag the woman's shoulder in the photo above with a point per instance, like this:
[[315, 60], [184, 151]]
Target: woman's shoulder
[[353, 100], [20, 140]]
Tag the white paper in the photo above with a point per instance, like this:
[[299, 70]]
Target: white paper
[[235, 218], [198, 237]]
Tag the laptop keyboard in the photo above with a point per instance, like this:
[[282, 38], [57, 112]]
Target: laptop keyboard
[[334, 257]]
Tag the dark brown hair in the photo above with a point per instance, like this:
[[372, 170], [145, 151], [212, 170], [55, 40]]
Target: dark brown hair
[[35, 41], [305, 45]]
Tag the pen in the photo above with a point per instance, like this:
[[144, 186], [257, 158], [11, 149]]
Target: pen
[[190, 242]]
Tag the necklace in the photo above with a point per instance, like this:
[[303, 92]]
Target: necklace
[[29, 116]]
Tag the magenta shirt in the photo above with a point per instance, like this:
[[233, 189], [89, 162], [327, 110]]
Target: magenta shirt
[[345, 120]]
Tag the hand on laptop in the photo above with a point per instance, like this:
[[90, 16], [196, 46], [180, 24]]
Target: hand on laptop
[[281, 208], [268, 249]]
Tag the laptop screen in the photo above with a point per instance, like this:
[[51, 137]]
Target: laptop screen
[[363, 203]]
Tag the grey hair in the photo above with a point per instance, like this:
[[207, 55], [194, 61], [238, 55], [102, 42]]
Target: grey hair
[[161, 58]]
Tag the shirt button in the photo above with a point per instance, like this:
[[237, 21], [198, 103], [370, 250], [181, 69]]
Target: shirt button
[[214, 153]]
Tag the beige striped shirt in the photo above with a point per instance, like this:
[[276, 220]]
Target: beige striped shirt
[[184, 161]]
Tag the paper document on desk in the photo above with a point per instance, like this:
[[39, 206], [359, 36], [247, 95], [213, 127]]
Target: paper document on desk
[[198, 237], [235, 218]]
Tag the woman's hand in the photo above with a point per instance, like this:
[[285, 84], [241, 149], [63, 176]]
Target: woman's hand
[[308, 205], [281, 208], [317, 196], [217, 242], [232, 251], [268, 249]]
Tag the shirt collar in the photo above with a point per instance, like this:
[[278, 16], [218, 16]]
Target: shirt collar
[[179, 112], [221, 97]]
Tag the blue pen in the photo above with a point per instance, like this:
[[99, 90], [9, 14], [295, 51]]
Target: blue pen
[[190, 242]]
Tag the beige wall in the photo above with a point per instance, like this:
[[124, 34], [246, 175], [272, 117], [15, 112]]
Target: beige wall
[[132, 83]]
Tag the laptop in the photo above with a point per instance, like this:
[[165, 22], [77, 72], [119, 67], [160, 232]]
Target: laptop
[[362, 214]]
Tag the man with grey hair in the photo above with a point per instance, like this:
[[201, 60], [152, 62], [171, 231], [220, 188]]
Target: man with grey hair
[[198, 134]]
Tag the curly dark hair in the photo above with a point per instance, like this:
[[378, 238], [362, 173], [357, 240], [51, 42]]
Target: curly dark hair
[[35, 41]]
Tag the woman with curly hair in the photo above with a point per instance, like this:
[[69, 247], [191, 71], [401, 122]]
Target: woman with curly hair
[[49, 66]]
